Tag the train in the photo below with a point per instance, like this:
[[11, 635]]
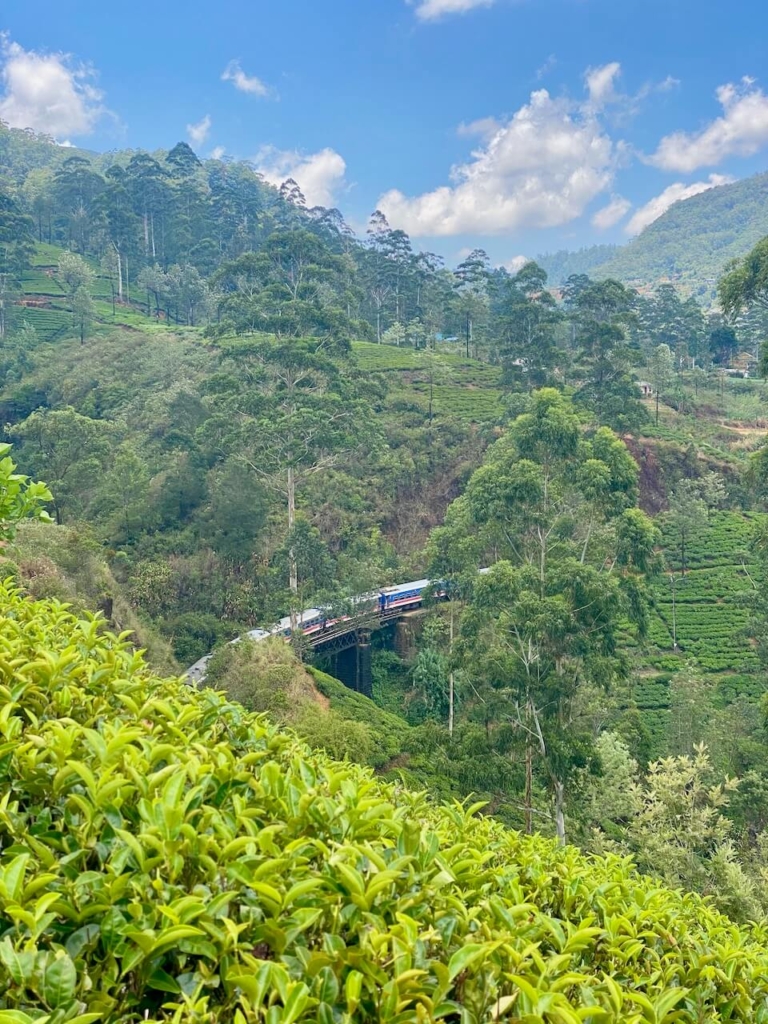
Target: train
[[381, 602], [315, 621]]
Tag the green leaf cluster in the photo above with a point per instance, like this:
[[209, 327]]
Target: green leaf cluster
[[168, 856]]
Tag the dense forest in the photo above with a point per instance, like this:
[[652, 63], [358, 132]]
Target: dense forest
[[241, 410]]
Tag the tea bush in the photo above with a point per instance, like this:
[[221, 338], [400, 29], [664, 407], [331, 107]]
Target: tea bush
[[167, 855]]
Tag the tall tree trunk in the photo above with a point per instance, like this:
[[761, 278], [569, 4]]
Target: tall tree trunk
[[119, 273], [674, 613], [528, 786], [560, 811], [293, 570], [529, 770], [451, 680]]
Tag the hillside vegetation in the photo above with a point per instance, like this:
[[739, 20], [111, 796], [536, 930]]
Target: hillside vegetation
[[242, 410], [169, 856], [695, 239], [689, 244]]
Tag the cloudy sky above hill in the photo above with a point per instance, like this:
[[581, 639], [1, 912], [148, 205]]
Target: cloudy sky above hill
[[519, 125]]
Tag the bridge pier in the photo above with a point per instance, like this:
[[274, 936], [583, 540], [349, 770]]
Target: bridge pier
[[364, 672], [405, 638], [353, 665]]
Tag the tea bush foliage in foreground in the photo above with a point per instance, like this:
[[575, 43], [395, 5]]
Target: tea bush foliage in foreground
[[168, 856]]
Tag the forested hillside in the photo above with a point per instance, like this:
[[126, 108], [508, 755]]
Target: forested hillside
[[692, 242], [383, 609]]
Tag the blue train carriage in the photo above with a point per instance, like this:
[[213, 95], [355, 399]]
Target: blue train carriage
[[404, 595]]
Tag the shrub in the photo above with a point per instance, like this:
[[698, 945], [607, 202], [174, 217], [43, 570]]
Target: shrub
[[168, 856]]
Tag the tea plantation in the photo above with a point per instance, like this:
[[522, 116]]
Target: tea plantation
[[51, 315], [168, 856], [465, 388], [704, 608]]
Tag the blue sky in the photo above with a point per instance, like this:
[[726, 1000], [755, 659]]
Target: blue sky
[[517, 125]]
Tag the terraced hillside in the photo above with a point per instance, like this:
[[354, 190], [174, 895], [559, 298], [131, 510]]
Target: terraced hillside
[[704, 610], [466, 388], [44, 305]]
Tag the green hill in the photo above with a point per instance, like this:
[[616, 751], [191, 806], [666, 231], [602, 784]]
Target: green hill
[[691, 243], [561, 264], [168, 856]]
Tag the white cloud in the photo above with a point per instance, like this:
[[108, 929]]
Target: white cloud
[[319, 175], [546, 67], [612, 213], [742, 130], [199, 132], [601, 83], [541, 168], [244, 83], [48, 92], [667, 84], [217, 152], [432, 10], [515, 264], [673, 194], [483, 128]]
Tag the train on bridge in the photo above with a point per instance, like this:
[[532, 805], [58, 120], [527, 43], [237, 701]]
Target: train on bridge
[[317, 623]]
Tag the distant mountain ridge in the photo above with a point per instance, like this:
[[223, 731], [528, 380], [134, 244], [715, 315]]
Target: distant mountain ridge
[[689, 245], [561, 264]]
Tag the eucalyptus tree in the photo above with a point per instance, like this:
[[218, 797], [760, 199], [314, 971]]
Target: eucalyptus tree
[[16, 247], [602, 314], [554, 511], [293, 287], [37, 192], [77, 189], [471, 281], [298, 416], [148, 186], [527, 319], [188, 206], [377, 269], [661, 369], [121, 227], [83, 312]]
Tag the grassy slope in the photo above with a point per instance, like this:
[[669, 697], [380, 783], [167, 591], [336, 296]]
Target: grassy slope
[[464, 388], [66, 564], [723, 425]]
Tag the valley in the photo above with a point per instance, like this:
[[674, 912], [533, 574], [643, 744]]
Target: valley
[[250, 419]]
